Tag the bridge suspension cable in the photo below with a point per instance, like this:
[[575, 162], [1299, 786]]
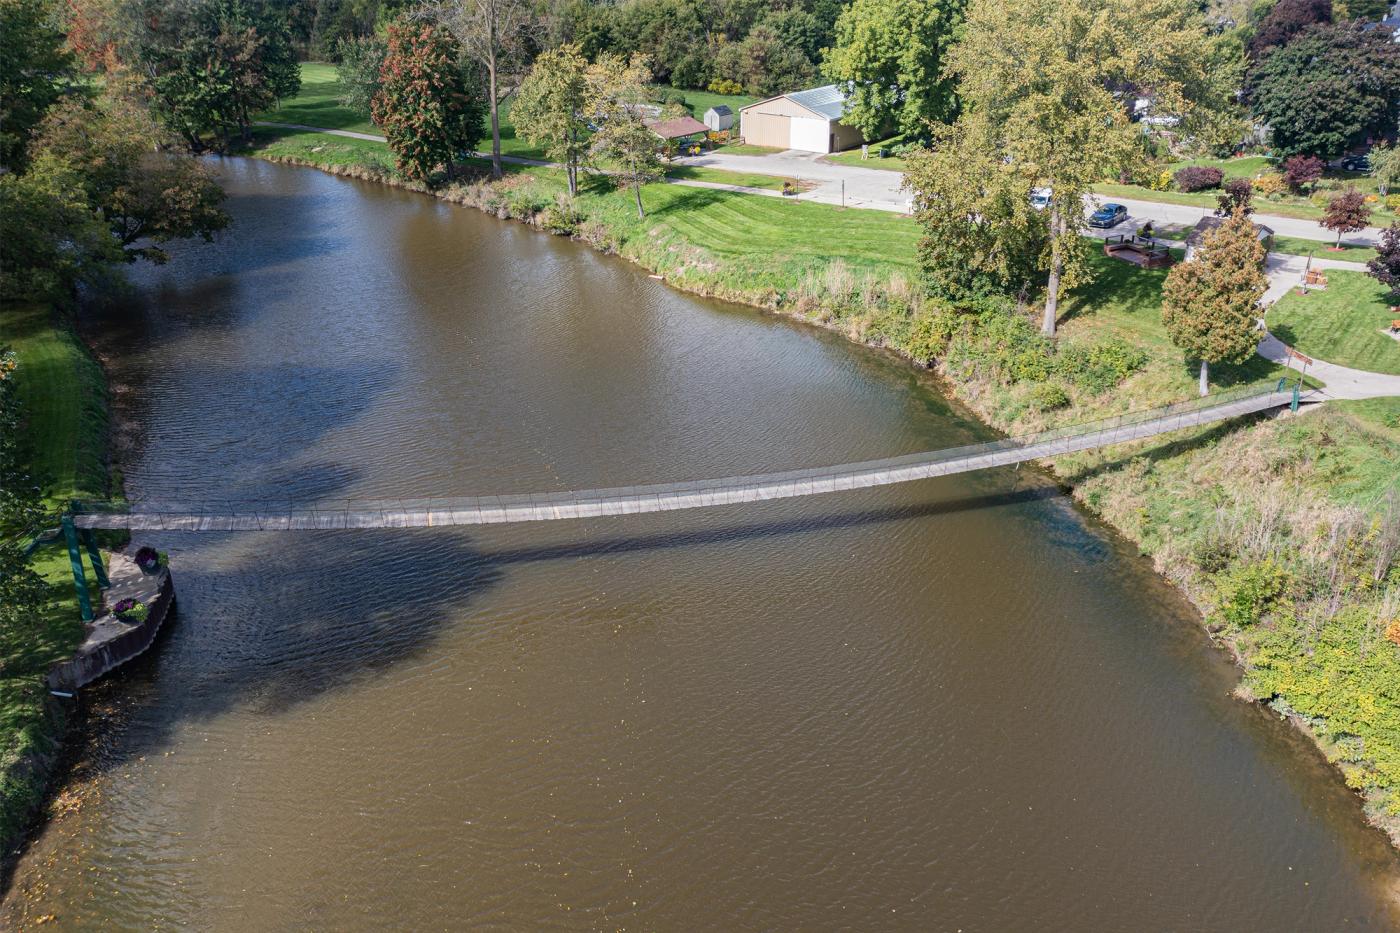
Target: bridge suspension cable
[[262, 515]]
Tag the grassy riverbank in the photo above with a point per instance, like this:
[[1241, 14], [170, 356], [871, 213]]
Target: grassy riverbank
[[62, 394], [1269, 525]]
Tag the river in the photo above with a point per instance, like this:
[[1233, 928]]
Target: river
[[959, 704]]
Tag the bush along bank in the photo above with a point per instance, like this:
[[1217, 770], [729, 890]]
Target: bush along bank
[[1284, 532]]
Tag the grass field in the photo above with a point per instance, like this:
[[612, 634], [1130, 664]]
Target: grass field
[[62, 392], [62, 397], [1351, 252], [318, 105], [889, 163], [697, 102], [1341, 324]]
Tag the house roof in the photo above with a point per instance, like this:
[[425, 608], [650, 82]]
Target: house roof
[[719, 110], [1207, 224], [828, 101], [677, 128]]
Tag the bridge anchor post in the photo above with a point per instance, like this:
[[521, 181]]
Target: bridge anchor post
[[75, 559]]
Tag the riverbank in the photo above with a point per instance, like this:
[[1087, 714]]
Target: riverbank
[[62, 393], [1282, 532]]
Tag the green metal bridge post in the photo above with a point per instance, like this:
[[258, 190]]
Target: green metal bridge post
[[75, 557], [95, 556], [1297, 395]]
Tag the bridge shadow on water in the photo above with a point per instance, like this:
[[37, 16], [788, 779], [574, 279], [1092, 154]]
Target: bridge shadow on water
[[266, 622]]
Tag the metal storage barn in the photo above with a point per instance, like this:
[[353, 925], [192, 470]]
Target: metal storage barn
[[806, 120]]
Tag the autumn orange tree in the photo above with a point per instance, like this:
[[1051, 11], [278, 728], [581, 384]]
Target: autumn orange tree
[[430, 113], [1210, 304]]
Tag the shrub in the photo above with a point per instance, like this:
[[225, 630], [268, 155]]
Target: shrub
[[1198, 178], [672, 96], [1301, 171], [1270, 184], [930, 329], [1100, 366], [562, 216], [726, 86], [1392, 202], [1245, 593], [1048, 396], [1161, 181]]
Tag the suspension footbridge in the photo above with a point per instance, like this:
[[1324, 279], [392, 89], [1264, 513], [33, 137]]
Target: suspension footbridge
[[211, 515]]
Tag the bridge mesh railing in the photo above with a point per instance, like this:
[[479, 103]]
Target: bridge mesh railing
[[211, 513]]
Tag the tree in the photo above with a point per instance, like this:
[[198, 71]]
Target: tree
[[1385, 166], [1302, 171], [1285, 20], [1365, 11], [617, 94], [1328, 90], [361, 60], [1210, 304], [981, 235], [764, 64], [215, 63], [53, 238], [33, 68], [893, 54], [130, 170], [1385, 268], [496, 35], [1237, 195], [550, 108], [1346, 212], [429, 114], [1053, 90]]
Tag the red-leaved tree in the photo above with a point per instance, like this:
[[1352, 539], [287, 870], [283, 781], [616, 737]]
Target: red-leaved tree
[[430, 113], [1347, 212], [1300, 171], [1385, 268]]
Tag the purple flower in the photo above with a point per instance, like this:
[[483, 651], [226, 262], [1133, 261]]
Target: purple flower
[[125, 605], [147, 556]]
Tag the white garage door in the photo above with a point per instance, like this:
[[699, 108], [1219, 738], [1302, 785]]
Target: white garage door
[[810, 134]]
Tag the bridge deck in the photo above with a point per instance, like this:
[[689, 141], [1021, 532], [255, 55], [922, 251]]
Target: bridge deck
[[484, 510]]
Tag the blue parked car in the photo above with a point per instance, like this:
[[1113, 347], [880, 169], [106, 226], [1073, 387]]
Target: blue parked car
[[1109, 215]]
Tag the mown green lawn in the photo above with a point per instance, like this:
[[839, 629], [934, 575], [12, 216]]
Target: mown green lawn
[[1341, 324], [1351, 252], [318, 103], [62, 393], [890, 163], [697, 102]]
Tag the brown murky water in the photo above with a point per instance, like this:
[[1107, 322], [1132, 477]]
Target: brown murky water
[[957, 704]]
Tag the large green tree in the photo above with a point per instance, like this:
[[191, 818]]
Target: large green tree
[[1053, 79], [892, 54], [429, 112], [213, 64], [1329, 89], [34, 66], [617, 93], [980, 233], [550, 108], [53, 239], [1210, 304], [143, 186]]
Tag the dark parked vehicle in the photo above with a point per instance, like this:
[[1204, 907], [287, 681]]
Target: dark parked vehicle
[[1109, 215], [1355, 163]]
